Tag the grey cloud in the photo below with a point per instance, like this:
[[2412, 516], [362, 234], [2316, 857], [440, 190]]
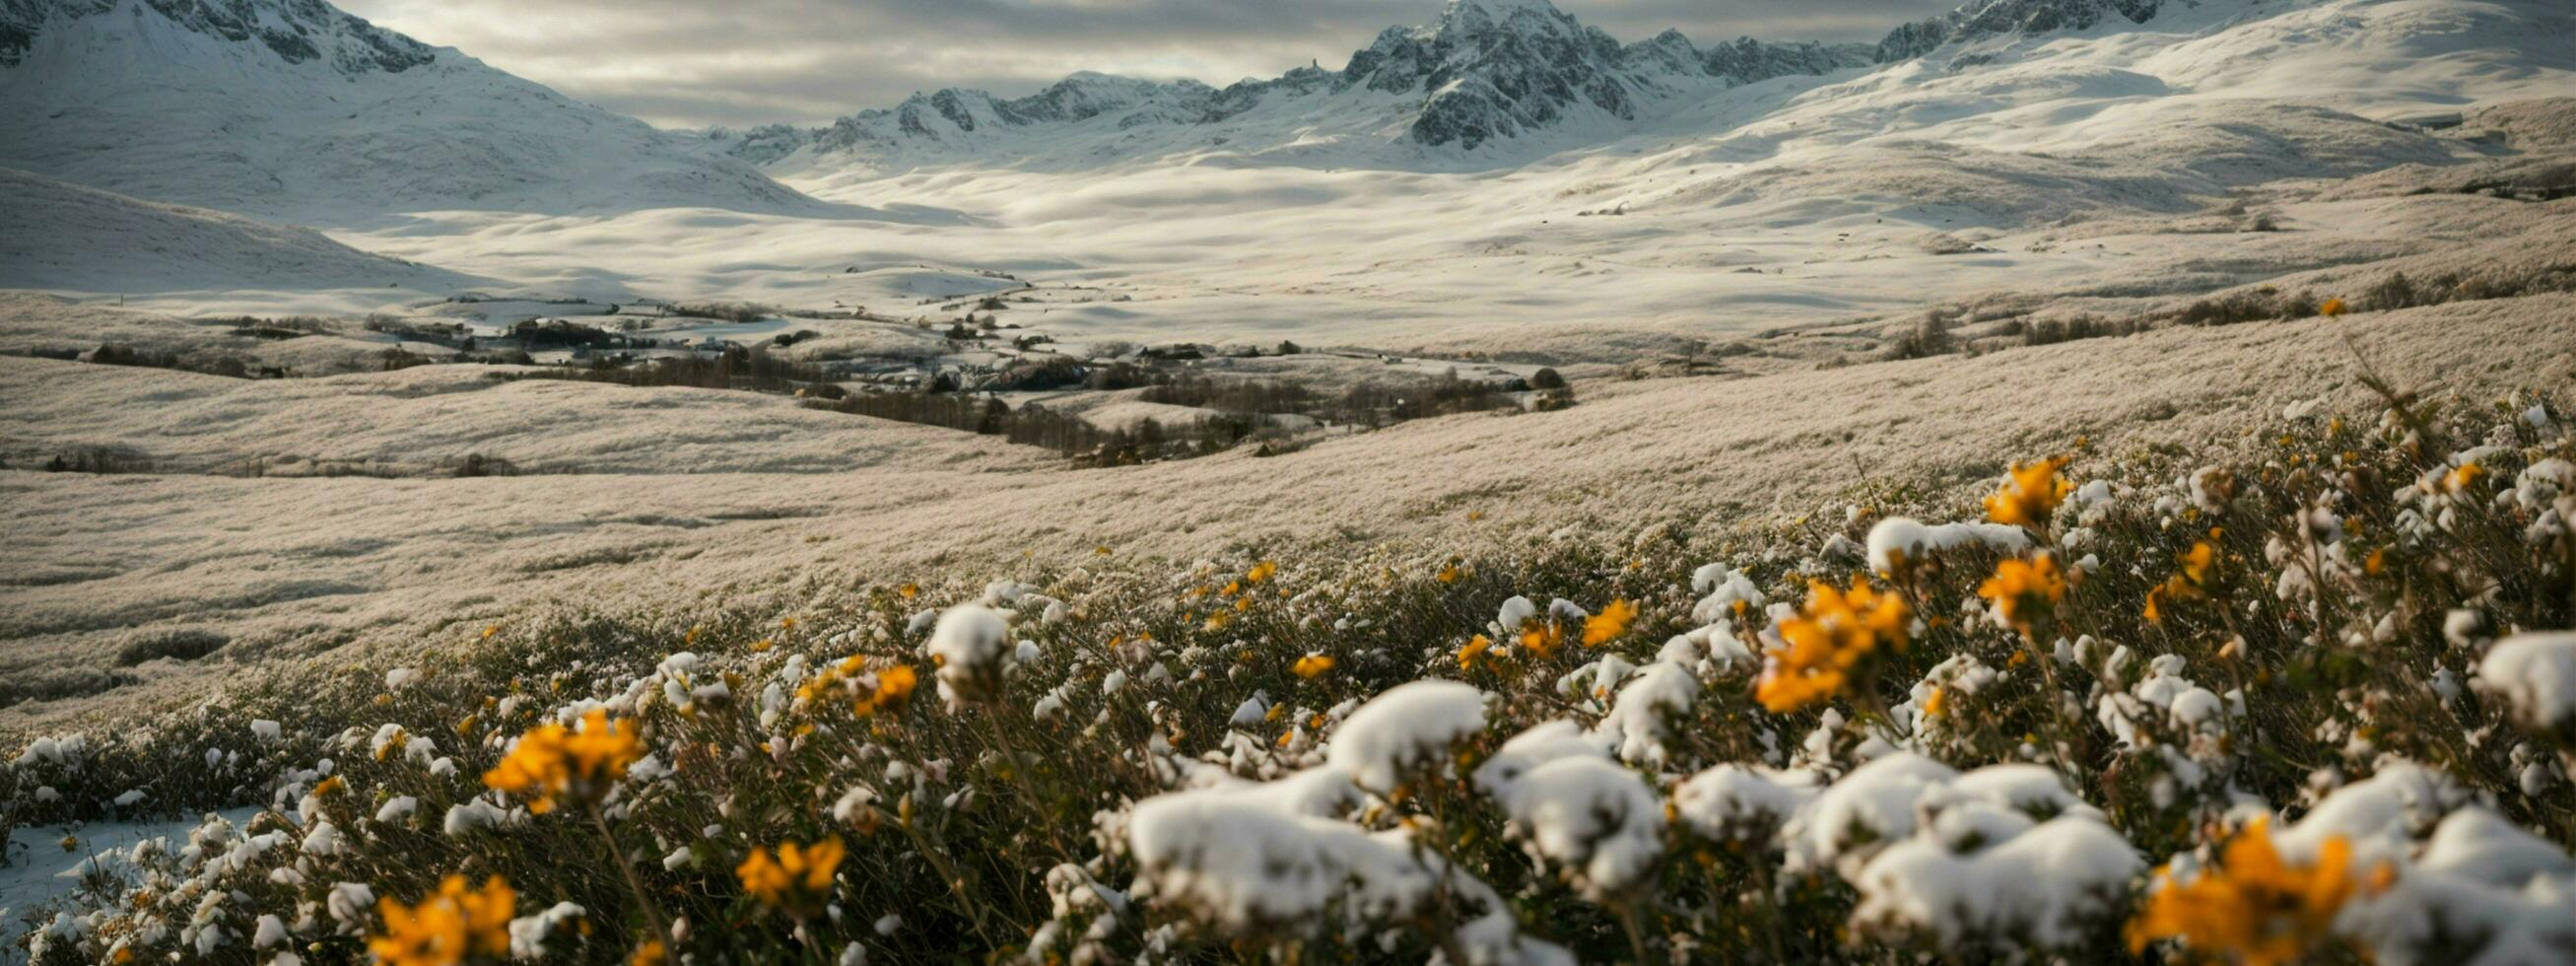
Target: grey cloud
[[689, 63]]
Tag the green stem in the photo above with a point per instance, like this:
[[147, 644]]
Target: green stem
[[634, 883]]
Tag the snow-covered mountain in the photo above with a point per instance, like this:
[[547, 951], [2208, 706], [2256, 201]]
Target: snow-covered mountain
[[295, 110], [1487, 71], [1980, 19]]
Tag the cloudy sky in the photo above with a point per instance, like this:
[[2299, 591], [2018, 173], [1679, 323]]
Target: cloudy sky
[[689, 63]]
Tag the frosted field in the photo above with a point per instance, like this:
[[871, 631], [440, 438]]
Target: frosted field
[[740, 496], [2115, 174], [1765, 231], [2095, 495]]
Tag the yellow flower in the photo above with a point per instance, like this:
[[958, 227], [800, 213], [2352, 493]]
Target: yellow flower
[[894, 687], [329, 785], [2025, 590], [552, 762], [2200, 561], [791, 877], [1827, 641], [2030, 494], [908, 591], [1261, 571], [1312, 666], [1613, 621], [447, 926], [1934, 702], [650, 952], [2332, 308], [1450, 574], [1541, 637], [1478, 649], [2463, 477], [2199, 565], [2251, 905]]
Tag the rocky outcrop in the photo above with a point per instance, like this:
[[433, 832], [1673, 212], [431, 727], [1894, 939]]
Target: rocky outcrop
[[1980, 19], [296, 31]]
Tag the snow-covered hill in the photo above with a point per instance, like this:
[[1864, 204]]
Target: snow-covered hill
[[1500, 84], [295, 110], [1488, 71], [60, 236]]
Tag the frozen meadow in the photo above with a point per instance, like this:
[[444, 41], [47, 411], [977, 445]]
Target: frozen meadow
[[2083, 481]]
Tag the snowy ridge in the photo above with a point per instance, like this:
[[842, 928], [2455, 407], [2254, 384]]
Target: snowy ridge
[[295, 30], [1980, 19], [1486, 71], [65, 237], [293, 110]]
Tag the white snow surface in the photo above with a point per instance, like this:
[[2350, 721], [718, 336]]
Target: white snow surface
[[40, 869], [1410, 726], [1591, 817], [202, 120], [2054, 883], [2536, 675], [1793, 201], [60, 236]]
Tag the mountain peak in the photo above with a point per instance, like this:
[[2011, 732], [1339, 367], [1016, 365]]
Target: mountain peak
[[1486, 70], [295, 31], [295, 110], [1978, 19], [1473, 15]]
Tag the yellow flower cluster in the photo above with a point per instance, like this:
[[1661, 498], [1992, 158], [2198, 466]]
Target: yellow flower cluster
[[2252, 906], [1606, 626], [2030, 494], [2199, 564], [2025, 590], [1541, 637], [894, 686], [1829, 638], [446, 927], [791, 877], [1477, 650], [1313, 666], [553, 762]]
